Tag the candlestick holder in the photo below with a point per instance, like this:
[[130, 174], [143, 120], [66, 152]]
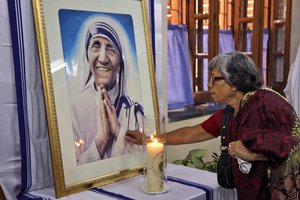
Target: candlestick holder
[[154, 176]]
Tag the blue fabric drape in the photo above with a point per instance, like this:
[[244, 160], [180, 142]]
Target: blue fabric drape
[[264, 61], [36, 166], [152, 27], [180, 95], [179, 79], [20, 81], [226, 44], [226, 41], [10, 169], [265, 46], [179, 75]]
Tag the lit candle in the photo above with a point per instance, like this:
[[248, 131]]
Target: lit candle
[[154, 166]]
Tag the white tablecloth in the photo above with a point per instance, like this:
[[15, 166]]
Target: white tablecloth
[[183, 182]]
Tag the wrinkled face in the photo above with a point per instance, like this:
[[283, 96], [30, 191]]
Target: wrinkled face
[[103, 59], [219, 89]]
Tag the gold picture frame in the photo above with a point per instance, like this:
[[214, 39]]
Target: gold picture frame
[[61, 27]]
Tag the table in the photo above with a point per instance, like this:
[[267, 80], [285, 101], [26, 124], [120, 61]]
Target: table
[[184, 182]]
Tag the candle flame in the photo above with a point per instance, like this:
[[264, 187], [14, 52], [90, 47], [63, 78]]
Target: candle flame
[[79, 143], [155, 141], [151, 137]]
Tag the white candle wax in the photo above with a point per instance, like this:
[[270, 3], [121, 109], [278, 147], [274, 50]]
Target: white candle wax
[[154, 166]]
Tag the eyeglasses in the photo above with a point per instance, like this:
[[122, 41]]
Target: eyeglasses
[[213, 79]]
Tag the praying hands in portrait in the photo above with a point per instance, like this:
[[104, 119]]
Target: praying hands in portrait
[[110, 124]]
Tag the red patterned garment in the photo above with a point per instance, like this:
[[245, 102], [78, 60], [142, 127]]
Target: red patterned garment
[[266, 123]]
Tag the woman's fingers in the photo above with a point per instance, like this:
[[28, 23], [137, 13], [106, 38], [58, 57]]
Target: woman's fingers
[[110, 112], [238, 149], [134, 136]]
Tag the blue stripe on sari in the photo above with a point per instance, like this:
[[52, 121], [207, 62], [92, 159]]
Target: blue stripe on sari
[[110, 194], [15, 18], [29, 196], [152, 28], [208, 190]]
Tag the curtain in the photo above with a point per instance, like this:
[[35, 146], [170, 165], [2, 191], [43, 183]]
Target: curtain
[[265, 46], [226, 44], [292, 89], [10, 169], [226, 41], [26, 134], [179, 78], [264, 61], [179, 75]]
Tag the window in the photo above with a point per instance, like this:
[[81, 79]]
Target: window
[[279, 44], [176, 12], [267, 43], [203, 30]]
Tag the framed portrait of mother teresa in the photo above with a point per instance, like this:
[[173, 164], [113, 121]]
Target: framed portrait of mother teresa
[[98, 80]]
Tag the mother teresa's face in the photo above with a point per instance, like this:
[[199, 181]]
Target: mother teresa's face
[[103, 59]]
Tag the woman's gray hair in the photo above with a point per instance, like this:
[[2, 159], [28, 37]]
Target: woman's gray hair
[[238, 70]]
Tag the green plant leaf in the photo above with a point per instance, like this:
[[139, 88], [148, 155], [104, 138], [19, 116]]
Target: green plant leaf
[[212, 166], [185, 161], [178, 162], [210, 169], [199, 153], [215, 155], [190, 164], [198, 162]]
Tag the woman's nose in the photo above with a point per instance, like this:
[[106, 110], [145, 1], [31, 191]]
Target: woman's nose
[[209, 84], [102, 56]]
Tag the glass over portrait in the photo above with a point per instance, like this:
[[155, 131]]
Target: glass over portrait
[[103, 107], [98, 76]]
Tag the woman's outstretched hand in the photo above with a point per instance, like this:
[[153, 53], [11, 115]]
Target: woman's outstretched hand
[[135, 136]]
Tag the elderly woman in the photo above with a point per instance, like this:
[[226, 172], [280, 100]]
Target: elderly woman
[[102, 111], [263, 128]]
